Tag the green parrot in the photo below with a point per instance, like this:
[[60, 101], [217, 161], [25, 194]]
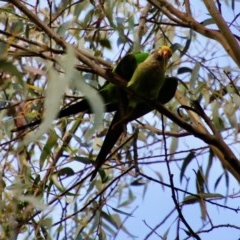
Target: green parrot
[[125, 68], [108, 91], [149, 76], [147, 80], [135, 109]]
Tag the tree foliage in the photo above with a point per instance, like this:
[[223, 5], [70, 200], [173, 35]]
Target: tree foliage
[[185, 154]]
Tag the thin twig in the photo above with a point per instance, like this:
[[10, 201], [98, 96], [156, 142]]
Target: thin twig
[[179, 210]]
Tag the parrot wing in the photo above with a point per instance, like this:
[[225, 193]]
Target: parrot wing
[[117, 126]]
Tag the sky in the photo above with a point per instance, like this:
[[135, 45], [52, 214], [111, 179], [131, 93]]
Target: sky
[[157, 203]]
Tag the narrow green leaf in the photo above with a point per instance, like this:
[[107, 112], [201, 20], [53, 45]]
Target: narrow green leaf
[[188, 43], [121, 212], [200, 181], [46, 152], [137, 182], [67, 171], [194, 76], [174, 144], [17, 27], [198, 197], [57, 85], [165, 235], [186, 162], [83, 160], [110, 219], [217, 120], [105, 43], [94, 99], [63, 28], [175, 47], [56, 182], [233, 4], [8, 67], [182, 70], [218, 181], [208, 21]]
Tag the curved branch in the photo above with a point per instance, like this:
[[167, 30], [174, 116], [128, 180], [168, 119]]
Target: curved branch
[[141, 27], [224, 29], [173, 12], [52, 34]]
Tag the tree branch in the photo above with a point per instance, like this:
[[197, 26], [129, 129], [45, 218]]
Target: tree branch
[[224, 29], [171, 11]]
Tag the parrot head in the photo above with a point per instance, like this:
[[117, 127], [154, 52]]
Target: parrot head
[[164, 54]]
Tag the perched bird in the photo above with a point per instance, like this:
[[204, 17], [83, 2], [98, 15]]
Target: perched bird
[[147, 80], [149, 76], [125, 68], [108, 91], [128, 107]]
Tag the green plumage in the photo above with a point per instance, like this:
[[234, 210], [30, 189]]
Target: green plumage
[[125, 68], [147, 80], [144, 73]]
